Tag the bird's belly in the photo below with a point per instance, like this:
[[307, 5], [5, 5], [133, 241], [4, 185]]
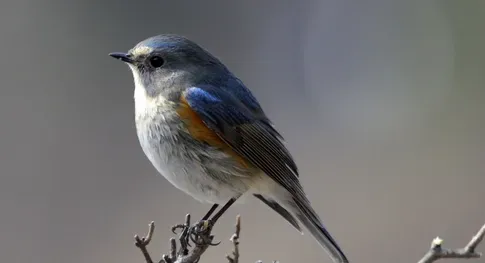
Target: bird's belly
[[191, 178], [205, 173]]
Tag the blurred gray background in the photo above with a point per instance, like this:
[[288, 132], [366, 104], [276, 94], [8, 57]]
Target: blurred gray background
[[381, 102]]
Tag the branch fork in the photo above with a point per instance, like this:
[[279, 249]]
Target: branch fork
[[201, 237], [437, 251]]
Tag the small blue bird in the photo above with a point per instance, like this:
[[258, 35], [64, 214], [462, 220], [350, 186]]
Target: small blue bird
[[206, 133]]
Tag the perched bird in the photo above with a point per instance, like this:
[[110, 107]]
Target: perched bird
[[206, 133]]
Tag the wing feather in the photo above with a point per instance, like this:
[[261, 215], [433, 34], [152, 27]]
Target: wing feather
[[250, 135]]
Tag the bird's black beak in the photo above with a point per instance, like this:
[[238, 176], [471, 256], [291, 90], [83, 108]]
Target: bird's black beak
[[122, 56]]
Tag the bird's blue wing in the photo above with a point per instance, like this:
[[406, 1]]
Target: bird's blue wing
[[244, 95], [249, 134]]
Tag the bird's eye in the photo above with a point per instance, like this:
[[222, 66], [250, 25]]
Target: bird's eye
[[156, 61]]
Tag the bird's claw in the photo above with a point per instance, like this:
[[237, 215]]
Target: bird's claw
[[198, 233], [179, 226], [201, 228]]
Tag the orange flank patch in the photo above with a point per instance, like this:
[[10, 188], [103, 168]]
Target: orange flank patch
[[201, 132]]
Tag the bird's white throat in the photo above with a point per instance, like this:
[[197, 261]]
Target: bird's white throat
[[144, 104]]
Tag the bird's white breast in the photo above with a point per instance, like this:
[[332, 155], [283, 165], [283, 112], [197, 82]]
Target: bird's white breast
[[179, 158], [184, 165]]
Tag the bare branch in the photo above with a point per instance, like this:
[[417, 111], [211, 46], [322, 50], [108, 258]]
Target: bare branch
[[199, 234], [235, 241], [476, 240], [144, 241], [437, 252]]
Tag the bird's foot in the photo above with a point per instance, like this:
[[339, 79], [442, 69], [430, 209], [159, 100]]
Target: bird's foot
[[199, 233]]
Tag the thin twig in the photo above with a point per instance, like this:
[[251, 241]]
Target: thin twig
[[173, 248], [143, 242], [235, 241], [437, 252]]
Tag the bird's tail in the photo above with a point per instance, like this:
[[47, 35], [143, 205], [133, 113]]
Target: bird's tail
[[304, 212]]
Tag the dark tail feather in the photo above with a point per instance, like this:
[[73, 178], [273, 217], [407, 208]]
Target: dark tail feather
[[309, 218], [280, 210]]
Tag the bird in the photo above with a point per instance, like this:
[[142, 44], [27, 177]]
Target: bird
[[207, 134]]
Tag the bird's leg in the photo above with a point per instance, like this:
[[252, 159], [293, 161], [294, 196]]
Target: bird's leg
[[206, 216], [214, 219], [205, 225], [188, 232], [209, 213]]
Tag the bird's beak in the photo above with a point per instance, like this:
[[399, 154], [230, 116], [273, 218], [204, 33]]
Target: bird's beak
[[122, 56]]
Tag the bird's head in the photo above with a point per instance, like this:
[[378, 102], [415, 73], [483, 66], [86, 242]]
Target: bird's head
[[170, 63]]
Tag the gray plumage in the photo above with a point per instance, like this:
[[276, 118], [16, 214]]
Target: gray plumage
[[206, 133]]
